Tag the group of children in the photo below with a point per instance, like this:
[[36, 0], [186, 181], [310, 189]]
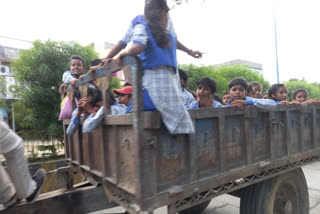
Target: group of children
[[155, 42], [240, 93]]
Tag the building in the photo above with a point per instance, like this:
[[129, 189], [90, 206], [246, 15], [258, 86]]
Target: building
[[7, 54], [252, 65]]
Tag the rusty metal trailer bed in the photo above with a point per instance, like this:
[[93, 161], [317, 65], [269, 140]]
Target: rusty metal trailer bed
[[143, 167]]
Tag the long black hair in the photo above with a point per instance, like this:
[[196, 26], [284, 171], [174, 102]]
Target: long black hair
[[152, 14], [274, 89], [96, 95]]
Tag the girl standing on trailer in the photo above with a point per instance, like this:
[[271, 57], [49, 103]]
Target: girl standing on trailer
[[156, 48]]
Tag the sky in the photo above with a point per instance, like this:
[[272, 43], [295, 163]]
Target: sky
[[223, 30]]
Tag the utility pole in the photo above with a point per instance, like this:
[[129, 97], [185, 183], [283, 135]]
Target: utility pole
[[276, 45]]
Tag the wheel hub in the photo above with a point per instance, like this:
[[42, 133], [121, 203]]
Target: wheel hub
[[288, 207]]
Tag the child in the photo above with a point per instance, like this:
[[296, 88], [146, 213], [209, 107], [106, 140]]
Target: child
[[187, 96], [206, 89], [264, 95], [225, 98], [278, 93], [92, 105], [156, 48], [251, 92], [77, 67], [124, 95], [257, 89], [116, 108], [237, 89], [301, 96]]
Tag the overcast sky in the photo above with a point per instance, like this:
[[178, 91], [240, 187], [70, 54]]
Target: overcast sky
[[223, 29]]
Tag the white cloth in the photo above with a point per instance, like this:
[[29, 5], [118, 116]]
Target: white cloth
[[19, 180], [188, 97], [117, 109], [93, 121]]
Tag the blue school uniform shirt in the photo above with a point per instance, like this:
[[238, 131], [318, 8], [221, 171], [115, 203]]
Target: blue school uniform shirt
[[93, 121], [195, 105], [147, 103], [154, 56], [257, 102], [188, 97], [67, 76], [161, 81], [117, 109]]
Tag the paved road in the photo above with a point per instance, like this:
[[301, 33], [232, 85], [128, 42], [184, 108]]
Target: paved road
[[227, 204]]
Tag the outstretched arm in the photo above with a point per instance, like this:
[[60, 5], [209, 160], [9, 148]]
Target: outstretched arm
[[195, 54]]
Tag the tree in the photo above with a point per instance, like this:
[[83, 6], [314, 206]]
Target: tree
[[312, 88], [222, 76], [2, 92], [39, 70]]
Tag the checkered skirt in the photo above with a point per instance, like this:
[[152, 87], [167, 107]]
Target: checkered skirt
[[163, 88]]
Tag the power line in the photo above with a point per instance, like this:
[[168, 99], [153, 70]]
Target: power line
[[6, 37]]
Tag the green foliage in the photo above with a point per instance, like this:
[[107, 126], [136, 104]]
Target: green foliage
[[48, 151], [294, 84], [222, 76], [2, 92], [23, 116], [115, 83], [39, 70]]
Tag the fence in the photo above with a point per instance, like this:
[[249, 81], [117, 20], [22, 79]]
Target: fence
[[38, 146], [43, 149]]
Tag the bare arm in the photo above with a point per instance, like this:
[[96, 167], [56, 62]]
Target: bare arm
[[195, 54], [133, 50], [115, 50]]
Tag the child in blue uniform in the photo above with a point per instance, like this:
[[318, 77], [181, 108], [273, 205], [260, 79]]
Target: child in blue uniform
[[187, 96], [301, 96], [206, 89], [278, 93], [156, 48], [237, 90]]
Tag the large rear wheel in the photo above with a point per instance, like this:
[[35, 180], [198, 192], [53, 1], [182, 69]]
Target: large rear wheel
[[284, 194]]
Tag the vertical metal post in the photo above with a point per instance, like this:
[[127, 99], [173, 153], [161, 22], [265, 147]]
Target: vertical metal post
[[137, 121]]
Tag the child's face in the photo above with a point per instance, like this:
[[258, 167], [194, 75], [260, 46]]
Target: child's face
[[237, 92], [183, 83], [77, 67], [265, 96], [257, 91], [225, 99], [252, 93], [280, 95], [301, 97], [204, 92], [124, 99]]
